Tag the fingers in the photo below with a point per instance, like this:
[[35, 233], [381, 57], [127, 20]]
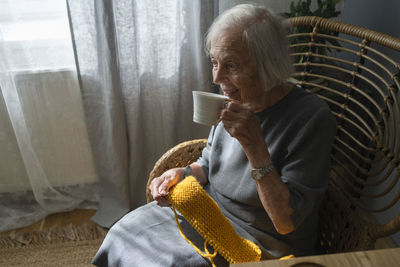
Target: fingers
[[240, 122], [155, 184], [160, 186], [235, 105], [159, 198], [235, 111], [168, 183]]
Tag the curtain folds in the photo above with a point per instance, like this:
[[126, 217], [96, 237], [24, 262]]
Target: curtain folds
[[138, 62], [85, 131], [46, 165]]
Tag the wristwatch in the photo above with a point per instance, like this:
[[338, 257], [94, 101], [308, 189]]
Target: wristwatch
[[257, 174], [187, 171]]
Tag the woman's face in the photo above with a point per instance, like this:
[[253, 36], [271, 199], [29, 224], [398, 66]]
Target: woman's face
[[233, 69]]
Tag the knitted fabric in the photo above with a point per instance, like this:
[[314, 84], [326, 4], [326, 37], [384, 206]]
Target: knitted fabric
[[203, 213]]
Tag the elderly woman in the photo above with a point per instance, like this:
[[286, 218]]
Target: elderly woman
[[265, 164]]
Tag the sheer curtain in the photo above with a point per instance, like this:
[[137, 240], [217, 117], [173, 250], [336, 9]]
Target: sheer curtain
[[46, 164], [138, 63], [82, 125]]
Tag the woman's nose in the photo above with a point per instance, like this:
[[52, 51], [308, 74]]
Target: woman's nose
[[219, 75]]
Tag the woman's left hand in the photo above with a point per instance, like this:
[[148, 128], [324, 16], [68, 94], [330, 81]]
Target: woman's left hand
[[241, 123]]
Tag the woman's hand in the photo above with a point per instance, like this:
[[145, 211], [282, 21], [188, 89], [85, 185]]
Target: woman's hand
[[160, 185], [241, 123]]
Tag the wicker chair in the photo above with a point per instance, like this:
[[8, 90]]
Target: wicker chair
[[347, 66]]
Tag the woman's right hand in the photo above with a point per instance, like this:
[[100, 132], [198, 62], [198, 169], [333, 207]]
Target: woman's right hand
[[159, 186]]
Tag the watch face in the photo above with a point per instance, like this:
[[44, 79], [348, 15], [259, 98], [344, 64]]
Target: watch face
[[256, 174]]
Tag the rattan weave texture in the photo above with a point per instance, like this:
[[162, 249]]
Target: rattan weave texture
[[360, 81]]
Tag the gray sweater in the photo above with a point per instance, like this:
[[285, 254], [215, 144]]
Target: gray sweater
[[299, 130]]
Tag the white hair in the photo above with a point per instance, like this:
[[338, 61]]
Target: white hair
[[265, 39]]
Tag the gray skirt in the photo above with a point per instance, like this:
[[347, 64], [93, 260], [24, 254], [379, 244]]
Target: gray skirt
[[149, 236]]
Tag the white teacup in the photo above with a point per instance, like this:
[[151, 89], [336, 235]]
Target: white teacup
[[207, 107]]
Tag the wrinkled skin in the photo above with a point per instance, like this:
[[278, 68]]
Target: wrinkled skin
[[160, 185]]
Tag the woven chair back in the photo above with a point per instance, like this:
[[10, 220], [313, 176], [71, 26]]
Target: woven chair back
[[356, 71]]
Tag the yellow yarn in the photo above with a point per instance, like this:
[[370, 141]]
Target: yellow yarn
[[203, 213], [291, 256]]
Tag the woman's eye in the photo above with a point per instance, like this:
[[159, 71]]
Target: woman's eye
[[231, 66]]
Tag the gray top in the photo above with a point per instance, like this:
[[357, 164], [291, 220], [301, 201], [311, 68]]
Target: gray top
[[298, 130]]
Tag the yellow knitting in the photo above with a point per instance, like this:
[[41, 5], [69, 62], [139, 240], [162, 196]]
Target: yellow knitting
[[203, 213]]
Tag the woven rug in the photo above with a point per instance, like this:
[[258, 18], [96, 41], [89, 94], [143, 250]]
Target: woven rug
[[68, 246]]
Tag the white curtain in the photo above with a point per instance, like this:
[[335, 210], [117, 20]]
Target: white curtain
[[83, 121], [138, 63], [45, 160]]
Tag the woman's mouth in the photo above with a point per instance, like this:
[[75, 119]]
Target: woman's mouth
[[230, 93]]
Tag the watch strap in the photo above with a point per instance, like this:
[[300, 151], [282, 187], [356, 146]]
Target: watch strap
[[258, 173], [187, 171]]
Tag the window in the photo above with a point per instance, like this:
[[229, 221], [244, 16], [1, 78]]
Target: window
[[42, 114], [35, 35]]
